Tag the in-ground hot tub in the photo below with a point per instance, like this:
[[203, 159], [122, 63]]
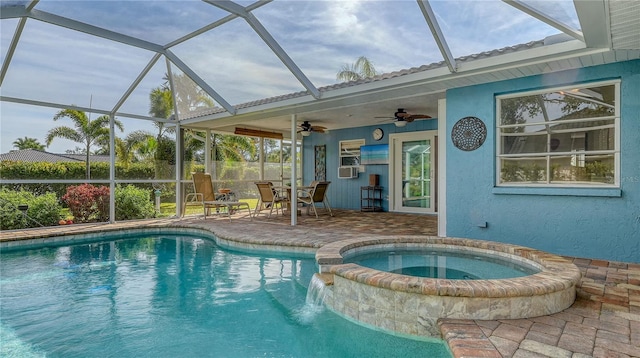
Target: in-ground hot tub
[[412, 304]]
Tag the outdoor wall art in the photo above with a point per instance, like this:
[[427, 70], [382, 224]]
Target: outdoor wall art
[[468, 133], [321, 162], [374, 154]]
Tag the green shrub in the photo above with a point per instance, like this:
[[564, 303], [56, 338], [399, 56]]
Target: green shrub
[[133, 203], [44, 210]]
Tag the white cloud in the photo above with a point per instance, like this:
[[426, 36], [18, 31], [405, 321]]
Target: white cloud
[[320, 36]]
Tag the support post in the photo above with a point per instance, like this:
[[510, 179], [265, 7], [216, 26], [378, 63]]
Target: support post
[[293, 200]]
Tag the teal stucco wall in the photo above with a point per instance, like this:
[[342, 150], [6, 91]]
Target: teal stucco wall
[[345, 193], [584, 223]]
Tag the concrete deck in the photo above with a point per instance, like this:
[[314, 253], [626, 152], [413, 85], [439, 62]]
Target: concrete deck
[[603, 322]]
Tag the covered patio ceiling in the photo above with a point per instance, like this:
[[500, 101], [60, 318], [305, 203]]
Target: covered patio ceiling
[[262, 62]]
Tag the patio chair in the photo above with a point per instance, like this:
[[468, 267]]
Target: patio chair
[[269, 198], [204, 195], [317, 194]]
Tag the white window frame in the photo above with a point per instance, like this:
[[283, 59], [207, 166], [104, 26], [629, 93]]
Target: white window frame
[[346, 150], [547, 155]]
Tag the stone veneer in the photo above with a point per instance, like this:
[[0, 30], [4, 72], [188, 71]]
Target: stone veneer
[[412, 305]]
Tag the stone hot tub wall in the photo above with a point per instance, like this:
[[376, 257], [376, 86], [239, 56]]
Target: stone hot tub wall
[[412, 305]]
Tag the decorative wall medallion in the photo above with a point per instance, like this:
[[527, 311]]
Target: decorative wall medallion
[[468, 133]]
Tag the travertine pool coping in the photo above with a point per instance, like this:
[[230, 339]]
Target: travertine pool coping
[[412, 305], [557, 273]]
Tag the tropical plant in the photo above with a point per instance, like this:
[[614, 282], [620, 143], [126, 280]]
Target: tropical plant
[[135, 147], [161, 106], [87, 202], [189, 97], [28, 143], [272, 151], [87, 132], [233, 148], [362, 68]]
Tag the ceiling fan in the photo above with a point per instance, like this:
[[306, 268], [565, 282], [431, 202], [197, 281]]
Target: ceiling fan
[[306, 128], [401, 117]]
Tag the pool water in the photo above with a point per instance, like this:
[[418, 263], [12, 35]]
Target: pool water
[[440, 263], [175, 296]]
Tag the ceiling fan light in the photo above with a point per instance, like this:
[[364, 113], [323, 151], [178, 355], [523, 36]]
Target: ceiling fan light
[[400, 123], [305, 133]]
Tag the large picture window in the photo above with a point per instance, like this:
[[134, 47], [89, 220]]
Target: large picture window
[[560, 137]]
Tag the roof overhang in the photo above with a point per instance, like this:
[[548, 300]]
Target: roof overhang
[[356, 104]]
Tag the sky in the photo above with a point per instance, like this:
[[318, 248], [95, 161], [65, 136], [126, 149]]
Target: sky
[[54, 64]]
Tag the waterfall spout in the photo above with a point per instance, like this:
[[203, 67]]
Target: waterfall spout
[[316, 292], [314, 304]]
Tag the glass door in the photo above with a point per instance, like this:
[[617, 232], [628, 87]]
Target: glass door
[[413, 172]]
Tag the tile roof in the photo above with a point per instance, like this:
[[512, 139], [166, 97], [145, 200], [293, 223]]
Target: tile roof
[[32, 155], [384, 76]]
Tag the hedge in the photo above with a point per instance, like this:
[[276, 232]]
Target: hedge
[[10, 170], [42, 210]]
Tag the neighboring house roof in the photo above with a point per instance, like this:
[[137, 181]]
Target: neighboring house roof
[[32, 155]]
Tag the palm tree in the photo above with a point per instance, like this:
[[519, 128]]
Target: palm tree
[[362, 68], [87, 132], [28, 143], [233, 148], [190, 97], [161, 107], [135, 147]]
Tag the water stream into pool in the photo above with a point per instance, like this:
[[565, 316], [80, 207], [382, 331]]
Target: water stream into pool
[[176, 296]]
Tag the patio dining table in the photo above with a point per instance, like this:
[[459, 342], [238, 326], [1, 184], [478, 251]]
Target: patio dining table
[[286, 191]]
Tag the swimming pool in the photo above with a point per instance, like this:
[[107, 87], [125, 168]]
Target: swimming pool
[[175, 296]]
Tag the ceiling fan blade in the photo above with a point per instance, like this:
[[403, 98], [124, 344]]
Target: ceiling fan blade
[[318, 128], [418, 116]]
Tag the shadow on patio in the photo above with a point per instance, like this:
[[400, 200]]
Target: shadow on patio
[[312, 232]]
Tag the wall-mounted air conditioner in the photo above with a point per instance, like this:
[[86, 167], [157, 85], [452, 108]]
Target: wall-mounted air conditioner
[[348, 172]]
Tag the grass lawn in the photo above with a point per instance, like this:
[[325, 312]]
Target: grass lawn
[[169, 209]]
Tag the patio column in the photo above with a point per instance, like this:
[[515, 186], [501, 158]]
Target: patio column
[[207, 152], [293, 200], [442, 167], [112, 169], [179, 167]]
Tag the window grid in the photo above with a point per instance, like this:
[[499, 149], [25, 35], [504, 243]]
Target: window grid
[[565, 137]]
